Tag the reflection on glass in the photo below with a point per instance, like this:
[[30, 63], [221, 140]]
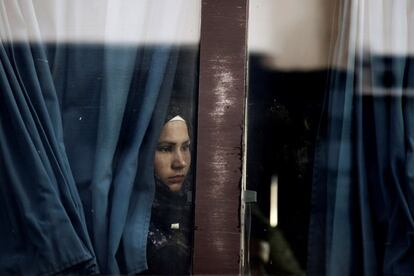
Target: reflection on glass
[[273, 202], [82, 100], [288, 47]]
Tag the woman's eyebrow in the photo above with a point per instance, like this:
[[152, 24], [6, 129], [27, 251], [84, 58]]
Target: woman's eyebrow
[[166, 142], [173, 142]]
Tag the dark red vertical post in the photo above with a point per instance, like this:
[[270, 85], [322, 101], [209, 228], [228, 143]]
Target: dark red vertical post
[[222, 90]]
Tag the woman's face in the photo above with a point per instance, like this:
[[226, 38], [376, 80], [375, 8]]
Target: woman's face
[[172, 156]]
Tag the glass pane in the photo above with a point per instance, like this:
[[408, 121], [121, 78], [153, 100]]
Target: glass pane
[[288, 50], [96, 174]]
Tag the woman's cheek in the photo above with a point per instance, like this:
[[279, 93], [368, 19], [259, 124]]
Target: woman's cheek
[[161, 164]]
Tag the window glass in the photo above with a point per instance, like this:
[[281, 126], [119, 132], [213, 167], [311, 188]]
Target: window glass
[[330, 138], [288, 51], [97, 131]]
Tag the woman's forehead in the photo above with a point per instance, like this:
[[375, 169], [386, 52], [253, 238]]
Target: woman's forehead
[[174, 131]]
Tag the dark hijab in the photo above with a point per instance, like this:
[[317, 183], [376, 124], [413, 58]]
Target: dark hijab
[[169, 236]]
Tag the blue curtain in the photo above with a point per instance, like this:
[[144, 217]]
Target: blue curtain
[[362, 217], [78, 127]]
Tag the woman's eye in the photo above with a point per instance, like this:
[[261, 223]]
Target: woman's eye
[[164, 148], [185, 147]]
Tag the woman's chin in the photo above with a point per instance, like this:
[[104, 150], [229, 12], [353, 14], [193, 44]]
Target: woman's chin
[[175, 187]]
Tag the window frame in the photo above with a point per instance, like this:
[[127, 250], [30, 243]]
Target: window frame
[[220, 129]]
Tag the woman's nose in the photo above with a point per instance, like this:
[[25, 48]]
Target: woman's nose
[[178, 161]]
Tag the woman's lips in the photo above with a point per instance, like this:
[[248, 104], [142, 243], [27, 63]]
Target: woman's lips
[[176, 179]]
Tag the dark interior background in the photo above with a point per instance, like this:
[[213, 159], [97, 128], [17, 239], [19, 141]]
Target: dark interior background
[[284, 108]]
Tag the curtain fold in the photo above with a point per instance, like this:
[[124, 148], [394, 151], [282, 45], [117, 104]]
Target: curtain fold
[[40, 198], [362, 196], [82, 102]]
